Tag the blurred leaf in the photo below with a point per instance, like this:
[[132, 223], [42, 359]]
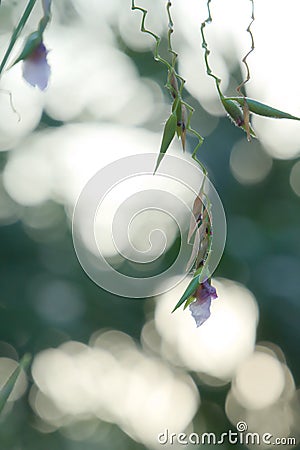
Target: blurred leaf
[[10, 383]]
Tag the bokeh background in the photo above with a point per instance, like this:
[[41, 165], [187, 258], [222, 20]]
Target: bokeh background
[[111, 372]]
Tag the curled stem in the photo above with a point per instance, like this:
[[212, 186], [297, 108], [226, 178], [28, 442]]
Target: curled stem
[[173, 76], [207, 51], [172, 72], [157, 56], [195, 133], [170, 31], [244, 60]]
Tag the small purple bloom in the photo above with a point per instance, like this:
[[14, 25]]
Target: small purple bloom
[[36, 70], [200, 308]]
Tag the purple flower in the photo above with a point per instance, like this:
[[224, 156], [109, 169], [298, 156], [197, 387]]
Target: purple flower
[[200, 308], [36, 70]]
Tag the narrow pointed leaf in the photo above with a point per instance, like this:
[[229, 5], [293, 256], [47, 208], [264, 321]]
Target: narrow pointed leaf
[[199, 271], [10, 383], [184, 120], [188, 302], [234, 111], [183, 139], [203, 252], [17, 33], [174, 85], [168, 135], [197, 210], [190, 290], [176, 108], [264, 110], [236, 114], [32, 42], [193, 256], [197, 246], [250, 130]]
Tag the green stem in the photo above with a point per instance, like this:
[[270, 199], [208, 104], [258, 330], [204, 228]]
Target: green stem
[[207, 52], [157, 56], [17, 32], [171, 69], [195, 133], [170, 31], [244, 60], [173, 53]]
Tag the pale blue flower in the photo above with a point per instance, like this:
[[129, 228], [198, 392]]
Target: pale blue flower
[[200, 308], [36, 70]]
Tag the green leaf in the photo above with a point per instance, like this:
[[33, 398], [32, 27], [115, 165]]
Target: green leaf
[[236, 114], [168, 135], [10, 383], [32, 42], [189, 301], [234, 111], [190, 290], [17, 33], [264, 110]]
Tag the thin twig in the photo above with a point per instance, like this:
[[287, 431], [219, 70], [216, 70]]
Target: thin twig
[[248, 76], [207, 51], [244, 60]]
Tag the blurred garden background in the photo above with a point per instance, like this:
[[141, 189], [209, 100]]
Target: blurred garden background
[[111, 372]]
